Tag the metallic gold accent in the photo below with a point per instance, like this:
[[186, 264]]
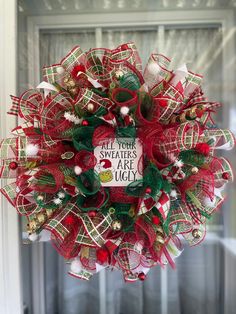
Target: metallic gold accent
[[160, 239], [196, 233], [67, 155], [73, 91], [112, 210]]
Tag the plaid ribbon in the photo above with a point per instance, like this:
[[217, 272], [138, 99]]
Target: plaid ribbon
[[129, 256], [30, 104], [87, 96], [155, 71], [83, 274], [163, 205], [223, 138], [14, 110], [171, 250], [172, 174], [26, 129], [9, 191], [222, 165], [175, 140], [146, 204], [180, 219], [57, 224], [192, 241], [94, 230], [52, 116], [74, 57], [103, 63]]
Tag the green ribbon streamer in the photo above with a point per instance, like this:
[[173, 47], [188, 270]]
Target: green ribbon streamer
[[88, 182]]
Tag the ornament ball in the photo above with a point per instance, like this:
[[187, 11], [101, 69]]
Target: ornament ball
[[148, 190], [141, 276], [225, 175], [92, 213], [85, 123], [116, 225], [196, 234], [13, 165], [194, 170]]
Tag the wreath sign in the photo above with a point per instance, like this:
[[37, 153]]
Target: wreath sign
[[116, 164]]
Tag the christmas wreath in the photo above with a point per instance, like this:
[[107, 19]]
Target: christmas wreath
[[116, 165]]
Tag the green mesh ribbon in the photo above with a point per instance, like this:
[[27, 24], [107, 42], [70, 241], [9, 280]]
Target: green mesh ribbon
[[88, 182], [152, 179], [130, 81], [192, 157]]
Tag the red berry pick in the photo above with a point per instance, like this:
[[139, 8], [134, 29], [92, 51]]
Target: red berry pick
[[155, 220], [225, 175], [141, 276], [102, 255], [13, 165], [85, 123]]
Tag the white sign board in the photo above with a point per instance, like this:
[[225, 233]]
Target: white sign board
[[120, 162]]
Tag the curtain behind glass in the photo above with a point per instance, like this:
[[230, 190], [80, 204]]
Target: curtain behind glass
[[145, 40], [55, 45], [195, 287]]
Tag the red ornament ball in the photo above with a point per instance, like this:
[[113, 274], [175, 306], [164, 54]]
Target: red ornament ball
[[148, 190], [13, 165], [141, 276], [163, 103], [203, 148], [155, 220], [102, 255], [69, 220], [225, 175], [85, 123], [92, 213]]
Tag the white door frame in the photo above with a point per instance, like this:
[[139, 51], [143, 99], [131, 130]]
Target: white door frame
[[10, 278]]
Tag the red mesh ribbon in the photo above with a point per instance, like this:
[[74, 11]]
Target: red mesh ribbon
[[204, 177], [144, 232], [85, 160], [58, 178], [118, 195], [103, 134], [129, 253], [124, 97]]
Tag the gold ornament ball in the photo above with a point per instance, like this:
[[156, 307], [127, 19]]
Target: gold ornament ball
[[160, 239], [194, 170], [74, 91], [66, 79], [119, 74], [196, 233], [116, 225], [71, 83]]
